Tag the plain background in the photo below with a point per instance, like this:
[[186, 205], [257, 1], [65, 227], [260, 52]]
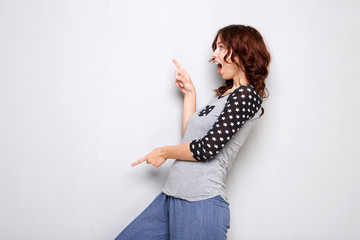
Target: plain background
[[87, 87]]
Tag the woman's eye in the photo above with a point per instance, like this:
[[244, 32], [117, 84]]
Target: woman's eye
[[221, 47]]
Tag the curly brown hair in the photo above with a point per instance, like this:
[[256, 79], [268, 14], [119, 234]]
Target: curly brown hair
[[246, 44]]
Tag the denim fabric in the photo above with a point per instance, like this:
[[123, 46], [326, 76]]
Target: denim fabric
[[169, 218]]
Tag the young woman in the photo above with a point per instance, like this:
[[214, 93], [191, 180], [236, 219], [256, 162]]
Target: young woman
[[193, 204]]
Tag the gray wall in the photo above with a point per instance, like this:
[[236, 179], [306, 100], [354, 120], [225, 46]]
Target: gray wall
[[86, 88]]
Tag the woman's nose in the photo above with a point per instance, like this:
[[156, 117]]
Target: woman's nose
[[214, 54]]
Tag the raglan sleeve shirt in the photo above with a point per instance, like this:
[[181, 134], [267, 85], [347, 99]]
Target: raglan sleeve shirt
[[241, 105]]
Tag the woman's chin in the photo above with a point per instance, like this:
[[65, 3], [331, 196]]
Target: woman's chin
[[225, 77]]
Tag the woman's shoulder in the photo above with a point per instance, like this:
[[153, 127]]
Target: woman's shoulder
[[245, 92], [245, 101]]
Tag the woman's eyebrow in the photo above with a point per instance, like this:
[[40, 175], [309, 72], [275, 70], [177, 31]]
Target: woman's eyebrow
[[219, 42]]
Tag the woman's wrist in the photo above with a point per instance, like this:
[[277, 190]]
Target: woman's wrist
[[191, 93], [164, 151]]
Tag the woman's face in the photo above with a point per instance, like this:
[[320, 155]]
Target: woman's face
[[227, 70]]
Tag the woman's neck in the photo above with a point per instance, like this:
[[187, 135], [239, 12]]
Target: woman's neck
[[240, 80]]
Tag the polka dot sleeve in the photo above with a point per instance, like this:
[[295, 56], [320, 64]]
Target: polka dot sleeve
[[241, 105]]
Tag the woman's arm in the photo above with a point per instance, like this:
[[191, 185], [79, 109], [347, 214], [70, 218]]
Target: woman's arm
[[240, 106], [188, 109], [183, 82], [159, 155]]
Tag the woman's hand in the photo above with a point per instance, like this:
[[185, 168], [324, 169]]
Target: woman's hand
[[182, 79], [157, 157]]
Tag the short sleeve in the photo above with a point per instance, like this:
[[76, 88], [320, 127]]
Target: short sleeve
[[241, 105]]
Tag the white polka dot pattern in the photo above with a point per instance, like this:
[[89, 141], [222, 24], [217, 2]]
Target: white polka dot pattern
[[241, 105]]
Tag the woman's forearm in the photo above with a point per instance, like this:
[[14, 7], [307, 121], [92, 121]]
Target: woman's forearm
[[181, 151], [159, 155], [189, 108]]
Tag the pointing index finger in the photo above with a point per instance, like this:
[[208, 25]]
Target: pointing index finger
[[138, 162], [177, 64]]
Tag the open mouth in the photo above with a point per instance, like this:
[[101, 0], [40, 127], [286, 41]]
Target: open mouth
[[219, 67]]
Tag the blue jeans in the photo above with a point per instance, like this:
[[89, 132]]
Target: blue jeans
[[177, 219]]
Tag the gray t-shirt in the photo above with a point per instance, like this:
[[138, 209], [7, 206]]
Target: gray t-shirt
[[216, 132]]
